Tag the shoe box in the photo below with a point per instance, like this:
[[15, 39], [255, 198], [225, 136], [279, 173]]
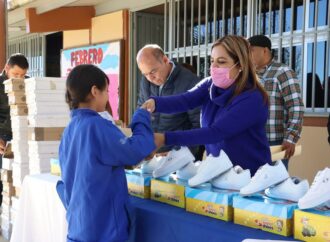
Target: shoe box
[[169, 190], [260, 212], [214, 203], [312, 225], [55, 168], [138, 183]]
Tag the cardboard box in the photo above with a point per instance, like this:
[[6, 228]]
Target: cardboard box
[[44, 96], [49, 120], [7, 199], [138, 183], [259, 212], [169, 190], [45, 134], [55, 168], [17, 191], [45, 83], [312, 225], [18, 110], [7, 163], [214, 203], [16, 98], [6, 175], [8, 188], [43, 147], [48, 108], [14, 84]]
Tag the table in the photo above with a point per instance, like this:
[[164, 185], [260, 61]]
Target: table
[[164, 223], [41, 217]]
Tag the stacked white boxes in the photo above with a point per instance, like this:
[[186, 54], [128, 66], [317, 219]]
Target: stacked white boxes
[[48, 115], [15, 165]]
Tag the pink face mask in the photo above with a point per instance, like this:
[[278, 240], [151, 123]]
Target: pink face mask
[[220, 76]]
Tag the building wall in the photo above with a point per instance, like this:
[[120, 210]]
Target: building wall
[[100, 31], [315, 154], [75, 38]]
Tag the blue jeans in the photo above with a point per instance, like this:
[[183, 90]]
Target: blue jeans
[[285, 161]]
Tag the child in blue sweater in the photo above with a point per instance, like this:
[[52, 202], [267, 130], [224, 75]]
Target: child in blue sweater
[[93, 153], [234, 108]]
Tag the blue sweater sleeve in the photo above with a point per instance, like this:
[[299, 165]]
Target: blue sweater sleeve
[[240, 116], [183, 102], [121, 150]]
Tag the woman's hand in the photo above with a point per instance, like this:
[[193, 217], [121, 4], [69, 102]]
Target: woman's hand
[[149, 105]]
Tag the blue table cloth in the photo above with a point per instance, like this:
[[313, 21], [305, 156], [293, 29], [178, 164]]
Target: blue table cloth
[[158, 222]]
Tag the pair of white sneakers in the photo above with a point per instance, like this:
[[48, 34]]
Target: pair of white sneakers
[[276, 182], [319, 192], [163, 166]]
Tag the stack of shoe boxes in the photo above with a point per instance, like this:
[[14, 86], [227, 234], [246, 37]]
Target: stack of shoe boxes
[[16, 167], [48, 115]]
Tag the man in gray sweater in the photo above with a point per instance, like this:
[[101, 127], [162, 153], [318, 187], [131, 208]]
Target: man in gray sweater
[[163, 77]]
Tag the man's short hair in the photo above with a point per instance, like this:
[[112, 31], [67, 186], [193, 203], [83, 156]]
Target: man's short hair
[[260, 41], [156, 51], [19, 60]]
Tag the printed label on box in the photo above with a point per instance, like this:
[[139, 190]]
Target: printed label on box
[[312, 225], [168, 192], [264, 222]]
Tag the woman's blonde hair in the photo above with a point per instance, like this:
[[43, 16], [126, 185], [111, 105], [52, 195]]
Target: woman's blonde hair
[[238, 49]]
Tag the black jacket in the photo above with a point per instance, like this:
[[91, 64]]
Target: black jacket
[[5, 123], [180, 81]]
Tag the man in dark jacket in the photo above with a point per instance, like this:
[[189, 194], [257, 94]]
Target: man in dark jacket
[[16, 67], [163, 77]]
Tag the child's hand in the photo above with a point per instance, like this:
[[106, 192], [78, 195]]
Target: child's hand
[[149, 105], [159, 140]]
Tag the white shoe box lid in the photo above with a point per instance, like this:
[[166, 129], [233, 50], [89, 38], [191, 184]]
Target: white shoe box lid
[[7, 163], [45, 83], [49, 120]]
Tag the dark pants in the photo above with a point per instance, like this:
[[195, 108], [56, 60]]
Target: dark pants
[[285, 161]]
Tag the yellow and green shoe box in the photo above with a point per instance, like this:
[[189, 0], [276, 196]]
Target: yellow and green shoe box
[[260, 212], [214, 203], [55, 168], [169, 190], [138, 183], [312, 224]]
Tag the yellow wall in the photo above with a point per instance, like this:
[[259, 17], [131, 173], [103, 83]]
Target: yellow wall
[[104, 28], [75, 38], [315, 154], [107, 27]]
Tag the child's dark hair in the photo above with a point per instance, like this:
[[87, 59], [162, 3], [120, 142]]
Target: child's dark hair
[[19, 60], [80, 82]]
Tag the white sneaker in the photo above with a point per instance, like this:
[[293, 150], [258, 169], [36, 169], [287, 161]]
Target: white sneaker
[[291, 189], [319, 192], [148, 166], [266, 176], [210, 168], [234, 179], [175, 160], [188, 171]]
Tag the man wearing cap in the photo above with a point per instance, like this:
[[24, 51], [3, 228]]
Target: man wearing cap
[[286, 108]]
